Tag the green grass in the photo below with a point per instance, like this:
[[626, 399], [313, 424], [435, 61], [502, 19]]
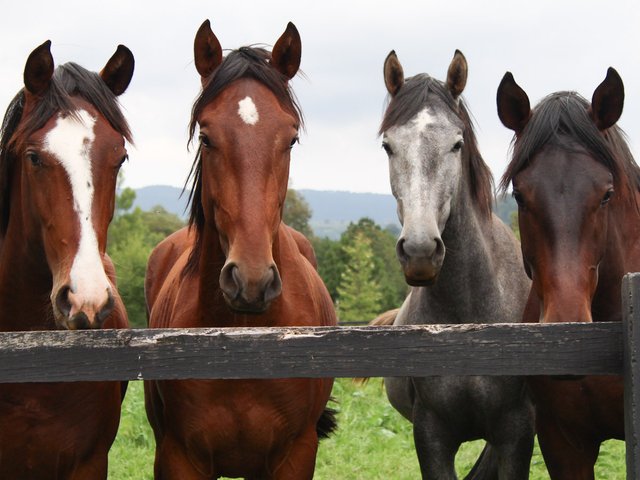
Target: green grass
[[372, 442], [131, 456]]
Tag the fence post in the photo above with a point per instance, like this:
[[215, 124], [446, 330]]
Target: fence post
[[631, 369]]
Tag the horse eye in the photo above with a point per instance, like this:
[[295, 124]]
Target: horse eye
[[606, 198], [517, 196], [295, 140], [123, 159], [458, 146], [34, 158], [387, 148], [204, 141]]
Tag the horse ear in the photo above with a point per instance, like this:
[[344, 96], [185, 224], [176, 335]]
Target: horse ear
[[39, 69], [457, 74], [207, 51], [118, 71], [607, 100], [287, 52], [514, 108], [393, 73]]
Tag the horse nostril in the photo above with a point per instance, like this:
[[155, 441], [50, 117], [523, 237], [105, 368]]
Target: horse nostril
[[106, 310], [439, 250], [63, 304], [230, 281], [400, 252], [273, 285]]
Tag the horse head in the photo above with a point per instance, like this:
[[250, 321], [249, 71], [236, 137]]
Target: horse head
[[65, 151], [425, 129], [248, 123], [570, 176]]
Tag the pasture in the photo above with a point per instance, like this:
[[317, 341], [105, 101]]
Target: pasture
[[372, 442]]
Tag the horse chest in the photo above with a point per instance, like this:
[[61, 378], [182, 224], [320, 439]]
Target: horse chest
[[224, 415], [82, 418], [592, 405], [476, 396]]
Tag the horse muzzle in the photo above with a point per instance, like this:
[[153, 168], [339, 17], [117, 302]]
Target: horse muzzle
[[421, 263], [74, 311], [245, 294]]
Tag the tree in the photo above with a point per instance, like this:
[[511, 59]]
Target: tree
[[132, 236], [515, 226], [387, 269], [130, 259], [297, 213], [331, 261], [360, 295], [124, 201]]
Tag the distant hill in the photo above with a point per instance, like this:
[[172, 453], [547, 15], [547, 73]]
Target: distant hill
[[332, 211], [165, 196]]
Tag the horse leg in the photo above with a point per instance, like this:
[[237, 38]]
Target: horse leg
[[94, 468], [401, 395], [566, 458], [513, 439], [435, 445], [514, 458], [298, 460], [172, 463]]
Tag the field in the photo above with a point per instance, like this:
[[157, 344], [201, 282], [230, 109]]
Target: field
[[372, 442]]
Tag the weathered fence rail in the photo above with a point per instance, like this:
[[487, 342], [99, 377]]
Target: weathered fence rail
[[507, 349], [498, 349]]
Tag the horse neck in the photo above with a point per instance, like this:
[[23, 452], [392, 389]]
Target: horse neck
[[467, 285], [465, 235], [25, 278], [622, 256]]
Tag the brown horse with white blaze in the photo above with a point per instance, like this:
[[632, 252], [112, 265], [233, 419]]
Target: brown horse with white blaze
[[62, 144], [577, 188], [239, 265]]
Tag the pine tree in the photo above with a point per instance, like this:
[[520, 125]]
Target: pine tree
[[297, 213], [359, 293]]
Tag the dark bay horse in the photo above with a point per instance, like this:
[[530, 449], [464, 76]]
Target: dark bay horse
[[62, 144], [576, 185], [238, 265], [464, 265]]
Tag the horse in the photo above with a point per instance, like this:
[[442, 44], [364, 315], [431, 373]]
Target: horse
[[577, 186], [61, 147], [463, 265], [238, 265]]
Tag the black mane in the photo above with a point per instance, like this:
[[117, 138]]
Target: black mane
[[412, 97], [245, 62], [562, 119], [68, 80]]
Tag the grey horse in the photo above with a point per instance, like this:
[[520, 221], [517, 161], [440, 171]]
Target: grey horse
[[464, 266]]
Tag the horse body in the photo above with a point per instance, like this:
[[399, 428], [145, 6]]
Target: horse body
[[577, 194], [444, 202], [60, 153], [239, 266], [240, 423]]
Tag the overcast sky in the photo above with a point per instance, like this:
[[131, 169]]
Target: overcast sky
[[548, 45]]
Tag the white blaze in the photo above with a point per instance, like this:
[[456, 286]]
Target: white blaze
[[70, 141], [423, 172], [423, 119], [248, 111]]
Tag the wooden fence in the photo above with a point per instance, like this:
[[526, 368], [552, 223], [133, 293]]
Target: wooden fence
[[496, 349]]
